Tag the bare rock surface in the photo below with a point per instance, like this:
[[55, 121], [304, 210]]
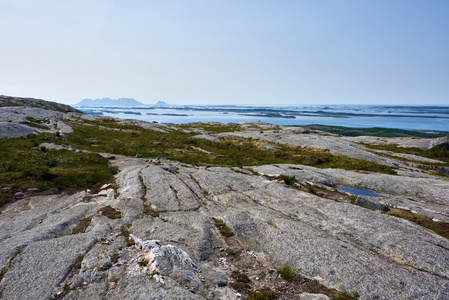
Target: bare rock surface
[[177, 231], [347, 247], [428, 195], [9, 101], [42, 266], [12, 130], [405, 142]]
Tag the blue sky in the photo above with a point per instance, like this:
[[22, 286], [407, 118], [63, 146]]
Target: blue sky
[[227, 52]]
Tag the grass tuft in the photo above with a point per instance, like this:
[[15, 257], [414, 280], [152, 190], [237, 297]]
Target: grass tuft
[[287, 272], [288, 180]]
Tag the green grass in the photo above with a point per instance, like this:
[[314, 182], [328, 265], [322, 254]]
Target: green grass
[[288, 180], [287, 272], [229, 152], [23, 167]]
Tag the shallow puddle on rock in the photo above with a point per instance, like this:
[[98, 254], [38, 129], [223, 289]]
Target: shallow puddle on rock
[[361, 192]]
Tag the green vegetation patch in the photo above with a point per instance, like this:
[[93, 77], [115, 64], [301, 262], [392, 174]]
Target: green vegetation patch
[[375, 131], [182, 147], [23, 166], [288, 180], [287, 272]]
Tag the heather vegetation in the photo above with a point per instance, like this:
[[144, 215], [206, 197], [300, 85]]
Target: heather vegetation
[[182, 146], [25, 165]]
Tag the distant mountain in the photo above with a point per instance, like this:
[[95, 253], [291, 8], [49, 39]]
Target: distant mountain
[[109, 102], [161, 103]]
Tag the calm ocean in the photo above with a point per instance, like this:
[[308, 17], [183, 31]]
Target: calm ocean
[[427, 118]]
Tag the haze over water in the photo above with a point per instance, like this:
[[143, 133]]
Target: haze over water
[[427, 118]]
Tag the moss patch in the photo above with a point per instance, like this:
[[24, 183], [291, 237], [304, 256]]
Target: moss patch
[[81, 227], [262, 295], [110, 212], [223, 228]]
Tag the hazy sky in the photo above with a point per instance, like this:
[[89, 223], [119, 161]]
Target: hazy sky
[[256, 52]]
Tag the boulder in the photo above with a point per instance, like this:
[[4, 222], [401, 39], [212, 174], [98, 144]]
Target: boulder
[[371, 203]]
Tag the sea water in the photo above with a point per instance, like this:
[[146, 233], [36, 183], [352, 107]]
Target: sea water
[[427, 118]]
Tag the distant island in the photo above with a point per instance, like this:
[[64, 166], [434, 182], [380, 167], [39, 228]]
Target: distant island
[[109, 102], [161, 103]]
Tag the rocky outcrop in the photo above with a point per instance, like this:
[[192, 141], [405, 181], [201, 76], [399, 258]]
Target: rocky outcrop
[[12, 130], [6, 101], [404, 142], [344, 246], [302, 138]]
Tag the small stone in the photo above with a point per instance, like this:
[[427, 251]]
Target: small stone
[[19, 195], [138, 155], [79, 151], [170, 169], [155, 161], [238, 295]]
